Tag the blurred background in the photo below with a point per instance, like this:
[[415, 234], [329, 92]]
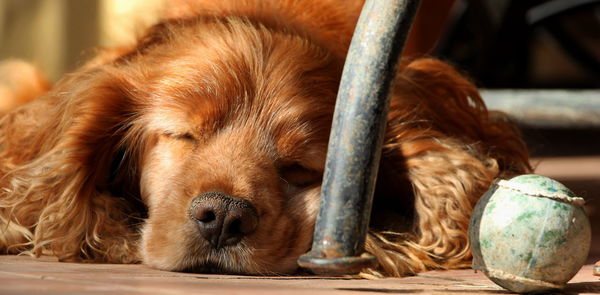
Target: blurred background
[[500, 43], [514, 43], [60, 35], [538, 60]]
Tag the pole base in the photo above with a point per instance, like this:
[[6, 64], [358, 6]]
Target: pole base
[[338, 265]]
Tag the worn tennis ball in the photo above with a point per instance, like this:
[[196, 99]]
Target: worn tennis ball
[[529, 234]]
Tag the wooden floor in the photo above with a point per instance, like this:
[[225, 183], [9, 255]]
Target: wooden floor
[[24, 275]]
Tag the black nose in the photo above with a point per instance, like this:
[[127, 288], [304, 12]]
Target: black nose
[[223, 220]]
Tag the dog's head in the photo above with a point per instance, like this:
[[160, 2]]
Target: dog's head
[[235, 120]]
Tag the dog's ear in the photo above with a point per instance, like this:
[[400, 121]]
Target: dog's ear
[[433, 96], [57, 167], [68, 165], [441, 139]]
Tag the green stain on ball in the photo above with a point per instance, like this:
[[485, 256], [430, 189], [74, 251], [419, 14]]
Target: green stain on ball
[[486, 244], [526, 215], [559, 206]]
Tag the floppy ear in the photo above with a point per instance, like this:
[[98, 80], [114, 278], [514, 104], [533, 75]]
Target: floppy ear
[[57, 170], [441, 138], [68, 162]]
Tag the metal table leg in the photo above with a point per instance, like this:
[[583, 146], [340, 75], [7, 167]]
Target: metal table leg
[[356, 137]]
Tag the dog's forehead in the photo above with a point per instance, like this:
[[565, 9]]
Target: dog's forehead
[[274, 89], [286, 113]]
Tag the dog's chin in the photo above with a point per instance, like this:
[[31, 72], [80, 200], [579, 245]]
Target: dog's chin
[[203, 265], [213, 268], [233, 262]]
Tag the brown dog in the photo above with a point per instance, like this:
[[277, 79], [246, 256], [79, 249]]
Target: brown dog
[[201, 148]]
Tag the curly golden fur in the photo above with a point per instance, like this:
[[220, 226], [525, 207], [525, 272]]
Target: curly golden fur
[[237, 97]]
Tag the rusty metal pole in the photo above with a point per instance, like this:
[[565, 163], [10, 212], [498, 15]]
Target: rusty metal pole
[[356, 137]]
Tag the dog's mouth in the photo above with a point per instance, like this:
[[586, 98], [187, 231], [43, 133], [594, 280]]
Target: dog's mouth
[[235, 263], [227, 260], [211, 268], [218, 268]]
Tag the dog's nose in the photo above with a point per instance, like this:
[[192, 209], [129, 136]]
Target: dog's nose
[[223, 220]]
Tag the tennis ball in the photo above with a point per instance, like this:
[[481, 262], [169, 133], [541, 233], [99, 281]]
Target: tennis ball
[[529, 234]]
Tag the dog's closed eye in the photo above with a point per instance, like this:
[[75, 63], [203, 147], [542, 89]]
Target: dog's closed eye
[[298, 175], [187, 136]]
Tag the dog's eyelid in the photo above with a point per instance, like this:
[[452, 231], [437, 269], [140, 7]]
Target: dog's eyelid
[[299, 175], [180, 135], [187, 136], [293, 167]]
